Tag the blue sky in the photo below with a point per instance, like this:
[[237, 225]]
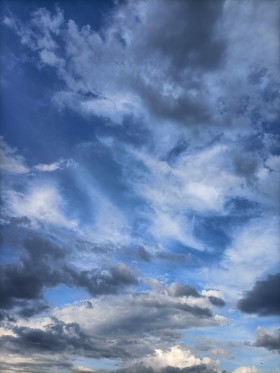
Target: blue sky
[[140, 162]]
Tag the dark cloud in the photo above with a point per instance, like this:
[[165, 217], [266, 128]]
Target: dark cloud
[[44, 264], [216, 301], [42, 365], [98, 281], [245, 164], [202, 368], [268, 340], [29, 309], [193, 41], [142, 254], [183, 52], [179, 290], [264, 298], [58, 337], [154, 313], [25, 280]]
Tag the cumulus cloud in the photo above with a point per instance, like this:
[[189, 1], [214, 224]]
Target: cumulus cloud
[[268, 339], [176, 357], [145, 318], [263, 298], [44, 263]]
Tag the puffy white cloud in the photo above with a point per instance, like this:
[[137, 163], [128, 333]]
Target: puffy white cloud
[[177, 357]]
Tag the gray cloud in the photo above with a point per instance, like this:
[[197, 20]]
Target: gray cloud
[[179, 290], [142, 55], [216, 301], [201, 368], [193, 41], [43, 264], [98, 281], [25, 280], [267, 339], [245, 164], [58, 337], [264, 298]]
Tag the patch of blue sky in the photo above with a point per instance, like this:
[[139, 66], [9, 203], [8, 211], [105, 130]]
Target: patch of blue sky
[[91, 363], [61, 295]]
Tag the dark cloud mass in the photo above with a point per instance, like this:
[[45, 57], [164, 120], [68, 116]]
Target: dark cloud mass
[[268, 340], [264, 298], [58, 337], [98, 281], [217, 301], [43, 264], [201, 368], [193, 42]]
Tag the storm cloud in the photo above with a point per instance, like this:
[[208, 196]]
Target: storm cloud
[[43, 265], [264, 298]]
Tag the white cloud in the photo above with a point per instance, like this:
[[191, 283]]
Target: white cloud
[[114, 108], [106, 222], [125, 81], [246, 370], [81, 368], [212, 293], [136, 314], [60, 164], [10, 161], [253, 253], [178, 357], [40, 203], [48, 167]]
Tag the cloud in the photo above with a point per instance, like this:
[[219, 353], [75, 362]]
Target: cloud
[[62, 163], [56, 338], [245, 370], [268, 339], [149, 69], [24, 281], [176, 357], [193, 105], [81, 368], [11, 161], [146, 318], [45, 263], [256, 242], [263, 298], [179, 290], [39, 203], [101, 281], [202, 368]]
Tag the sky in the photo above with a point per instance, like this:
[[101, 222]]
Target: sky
[[140, 162]]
